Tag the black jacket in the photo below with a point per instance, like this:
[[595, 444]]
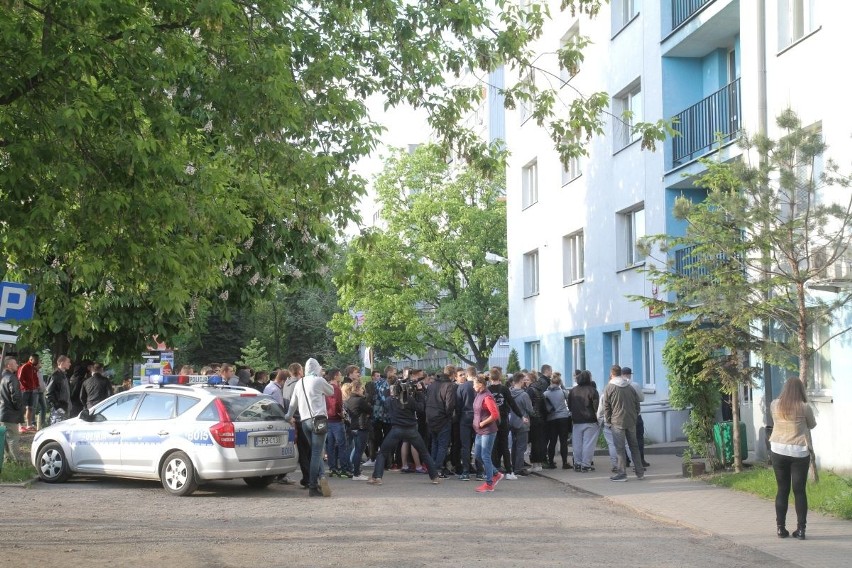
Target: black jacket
[[465, 395], [440, 403], [583, 403], [95, 389], [59, 391], [11, 403], [405, 414], [536, 394], [360, 412], [505, 402]]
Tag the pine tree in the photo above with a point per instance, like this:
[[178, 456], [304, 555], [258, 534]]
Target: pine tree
[[254, 356]]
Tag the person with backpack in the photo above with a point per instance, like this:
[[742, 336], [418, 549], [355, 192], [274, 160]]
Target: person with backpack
[[519, 423], [535, 390]]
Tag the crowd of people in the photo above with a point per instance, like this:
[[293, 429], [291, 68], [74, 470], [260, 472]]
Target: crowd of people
[[457, 422]]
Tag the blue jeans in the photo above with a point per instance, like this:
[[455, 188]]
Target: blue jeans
[[482, 448], [337, 447], [359, 442], [317, 442], [440, 443]]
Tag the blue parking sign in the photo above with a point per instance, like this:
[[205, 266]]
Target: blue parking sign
[[16, 303]]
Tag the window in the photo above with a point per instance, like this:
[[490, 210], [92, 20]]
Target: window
[[185, 403], [533, 352], [568, 69], [622, 12], [631, 227], [648, 355], [572, 258], [531, 274], [627, 108], [526, 107], [156, 407], [615, 348], [119, 408], [820, 376], [572, 172], [578, 353], [529, 184], [796, 19]]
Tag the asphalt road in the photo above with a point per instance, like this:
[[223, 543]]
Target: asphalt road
[[405, 522]]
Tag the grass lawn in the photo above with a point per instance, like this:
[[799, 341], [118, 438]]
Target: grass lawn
[[832, 495], [16, 473]]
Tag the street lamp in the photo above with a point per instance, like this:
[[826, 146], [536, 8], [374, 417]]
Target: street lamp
[[492, 258]]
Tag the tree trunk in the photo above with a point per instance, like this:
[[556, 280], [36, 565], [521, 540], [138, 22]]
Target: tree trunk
[[735, 414]]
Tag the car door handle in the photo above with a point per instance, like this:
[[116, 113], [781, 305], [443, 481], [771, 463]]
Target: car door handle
[[162, 433], [115, 433]]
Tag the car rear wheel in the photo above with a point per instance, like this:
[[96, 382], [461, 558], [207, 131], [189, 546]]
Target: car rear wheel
[[177, 474], [52, 464], [259, 482]]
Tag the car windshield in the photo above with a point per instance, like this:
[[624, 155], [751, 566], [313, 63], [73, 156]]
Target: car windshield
[[253, 409]]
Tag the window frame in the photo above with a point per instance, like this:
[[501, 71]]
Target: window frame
[[573, 258], [629, 235], [529, 184], [648, 354], [628, 99], [532, 282]]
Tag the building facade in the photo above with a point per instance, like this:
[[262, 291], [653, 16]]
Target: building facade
[[718, 66]]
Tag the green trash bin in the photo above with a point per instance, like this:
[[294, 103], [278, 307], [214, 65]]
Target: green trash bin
[[2, 445], [723, 435]]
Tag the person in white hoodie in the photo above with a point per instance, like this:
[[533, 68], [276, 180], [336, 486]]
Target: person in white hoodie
[[621, 408], [309, 400]]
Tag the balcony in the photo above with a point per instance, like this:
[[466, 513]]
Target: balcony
[[682, 10], [711, 121]]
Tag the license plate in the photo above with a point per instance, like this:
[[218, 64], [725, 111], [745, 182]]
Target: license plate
[[288, 451], [260, 441]]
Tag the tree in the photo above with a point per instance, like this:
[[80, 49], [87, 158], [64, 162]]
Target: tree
[[514, 365], [254, 356], [762, 236], [164, 158], [424, 282]]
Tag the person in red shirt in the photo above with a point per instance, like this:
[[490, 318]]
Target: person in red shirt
[[486, 418], [28, 376]]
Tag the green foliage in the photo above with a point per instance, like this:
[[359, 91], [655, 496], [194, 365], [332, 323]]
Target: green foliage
[[255, 357], [162, 160], [690, 387], [514, 365], [423, 282], [832, 495], [755, 241]]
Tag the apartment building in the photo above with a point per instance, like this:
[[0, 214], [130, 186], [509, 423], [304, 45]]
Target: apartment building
[[719, 66]]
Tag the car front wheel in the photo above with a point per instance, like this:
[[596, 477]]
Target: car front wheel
[[177, 474], [52, 464], [259, 482]]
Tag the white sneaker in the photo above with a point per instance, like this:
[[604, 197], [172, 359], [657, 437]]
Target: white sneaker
[[536, 467], [511, 476], [361, 477], [368, 463]]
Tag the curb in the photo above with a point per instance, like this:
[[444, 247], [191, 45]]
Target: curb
[[22, 485]]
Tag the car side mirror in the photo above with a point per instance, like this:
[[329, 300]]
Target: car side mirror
[[85, 416]]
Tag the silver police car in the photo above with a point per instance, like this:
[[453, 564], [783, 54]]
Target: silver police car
[[181, 435]]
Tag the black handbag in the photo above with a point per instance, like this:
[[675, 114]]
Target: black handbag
[[320, 421]]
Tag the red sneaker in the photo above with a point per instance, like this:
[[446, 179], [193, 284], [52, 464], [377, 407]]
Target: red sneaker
[[496, 479], [485, 488]]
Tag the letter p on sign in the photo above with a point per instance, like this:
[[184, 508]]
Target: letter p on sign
[[15, 302]]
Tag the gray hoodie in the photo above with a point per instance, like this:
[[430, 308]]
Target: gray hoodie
[[620, 403], [556, 402]]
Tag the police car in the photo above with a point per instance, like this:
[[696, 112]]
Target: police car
[[181, 435]]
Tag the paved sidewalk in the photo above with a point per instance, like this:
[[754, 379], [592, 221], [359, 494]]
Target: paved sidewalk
[[742, 518]]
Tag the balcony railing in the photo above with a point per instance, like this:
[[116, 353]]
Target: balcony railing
[[683, 9], [704, 123]]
